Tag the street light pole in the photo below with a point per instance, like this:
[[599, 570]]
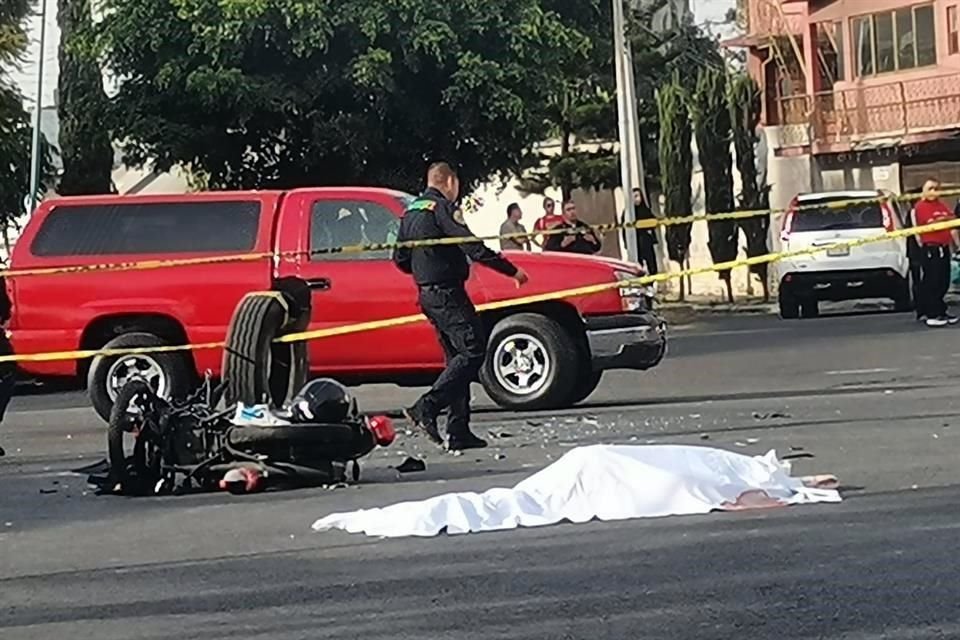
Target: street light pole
[[38, 108], [624, 79]]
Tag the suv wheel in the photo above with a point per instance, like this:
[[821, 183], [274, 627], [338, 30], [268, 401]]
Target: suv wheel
[[810, 309], [531, 363], [789, 306], [166, 373]]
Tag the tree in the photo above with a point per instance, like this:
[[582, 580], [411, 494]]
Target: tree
[[711, 120], [301, 92], [85, 145], [676, 164], [580, 107], [744, 102], [15, 125], [657, 58]]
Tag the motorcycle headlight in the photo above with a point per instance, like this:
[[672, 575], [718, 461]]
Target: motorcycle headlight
[[633, 296]]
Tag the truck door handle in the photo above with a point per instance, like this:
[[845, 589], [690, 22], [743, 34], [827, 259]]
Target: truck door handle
[[319, 284]]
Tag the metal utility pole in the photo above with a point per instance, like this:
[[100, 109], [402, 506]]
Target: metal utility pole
[[625, 82], [38, 108]]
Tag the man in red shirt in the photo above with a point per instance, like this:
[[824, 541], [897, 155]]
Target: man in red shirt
[[549, 220], [936, 248]]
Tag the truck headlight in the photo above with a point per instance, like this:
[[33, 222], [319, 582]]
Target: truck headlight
[[635, 297]]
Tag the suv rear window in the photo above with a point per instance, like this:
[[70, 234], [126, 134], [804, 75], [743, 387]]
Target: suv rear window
[[145, 228], [818, 215]]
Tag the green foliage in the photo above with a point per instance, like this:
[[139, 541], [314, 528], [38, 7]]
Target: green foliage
[[711, 120], [657, 59], [305, 92], [743, 98], [676, 163], [85, 144], [15, 123]]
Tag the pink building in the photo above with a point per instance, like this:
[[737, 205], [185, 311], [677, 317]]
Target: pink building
[[856, 93]]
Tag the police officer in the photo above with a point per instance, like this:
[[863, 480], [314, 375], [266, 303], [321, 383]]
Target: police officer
[[8, 370], [440, 272]]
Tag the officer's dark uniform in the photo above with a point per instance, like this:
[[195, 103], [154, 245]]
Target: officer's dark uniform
[[440, 272], [8, 370]]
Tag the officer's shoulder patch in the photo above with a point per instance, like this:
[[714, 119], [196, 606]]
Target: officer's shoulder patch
[[422, 204], [458, 216]]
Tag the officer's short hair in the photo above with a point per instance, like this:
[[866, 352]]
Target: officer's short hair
[[440, 172]]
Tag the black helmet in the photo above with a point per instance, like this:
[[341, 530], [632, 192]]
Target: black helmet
[[324, 401]]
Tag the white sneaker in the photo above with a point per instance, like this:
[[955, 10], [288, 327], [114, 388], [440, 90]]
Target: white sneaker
[[951, 319], [937, 322]]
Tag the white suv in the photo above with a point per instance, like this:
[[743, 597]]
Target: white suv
[[874, 270]]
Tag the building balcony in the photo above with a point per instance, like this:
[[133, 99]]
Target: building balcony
[[846, 118]]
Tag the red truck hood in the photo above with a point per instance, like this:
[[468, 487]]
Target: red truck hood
[[525, 259]]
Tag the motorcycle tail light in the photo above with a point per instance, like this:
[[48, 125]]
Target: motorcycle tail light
[[382, 429]]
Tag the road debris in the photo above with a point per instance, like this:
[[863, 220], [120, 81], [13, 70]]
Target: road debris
[[775, 415]]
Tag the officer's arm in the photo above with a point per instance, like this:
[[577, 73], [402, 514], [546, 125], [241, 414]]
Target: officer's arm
[[476, 250], [403, 256]]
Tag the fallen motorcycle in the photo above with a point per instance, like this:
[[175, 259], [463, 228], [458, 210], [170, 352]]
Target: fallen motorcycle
[[189, 445]]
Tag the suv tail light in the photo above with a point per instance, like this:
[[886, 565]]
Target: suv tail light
[[888, 223], [788, 217]]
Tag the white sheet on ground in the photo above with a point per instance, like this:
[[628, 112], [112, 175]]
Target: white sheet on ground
[[604, 482]]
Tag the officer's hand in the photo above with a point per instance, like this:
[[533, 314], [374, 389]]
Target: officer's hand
[[521, 277]]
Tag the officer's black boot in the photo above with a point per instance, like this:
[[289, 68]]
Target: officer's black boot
[[465, 442], [424, 425]]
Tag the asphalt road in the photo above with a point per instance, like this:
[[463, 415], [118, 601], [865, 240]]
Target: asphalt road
[[872, 397]]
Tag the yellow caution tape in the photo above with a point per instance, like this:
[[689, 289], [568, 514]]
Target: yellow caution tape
[[389, 246], [500, 304]]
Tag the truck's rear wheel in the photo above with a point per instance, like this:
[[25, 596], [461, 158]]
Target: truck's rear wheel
[[531, 363], [166, 373], [256, 369]]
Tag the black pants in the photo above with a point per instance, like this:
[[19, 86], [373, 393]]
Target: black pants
[[647, 252], [8, 374], [935, 280], [458, 327]]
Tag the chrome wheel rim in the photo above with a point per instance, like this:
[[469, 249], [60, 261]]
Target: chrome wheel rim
[[522, 364]]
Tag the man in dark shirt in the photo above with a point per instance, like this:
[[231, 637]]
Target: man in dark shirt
[[578, 239], [646, 237], [440, 272]]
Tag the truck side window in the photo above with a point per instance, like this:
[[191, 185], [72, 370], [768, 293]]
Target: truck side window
[[336, 224]]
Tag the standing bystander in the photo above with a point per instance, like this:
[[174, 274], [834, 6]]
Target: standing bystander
[[935, 250], [511, 227], [646, 236], [547, 221], [579, 238]]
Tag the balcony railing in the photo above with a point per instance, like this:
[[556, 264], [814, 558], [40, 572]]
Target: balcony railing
[[871, 112]]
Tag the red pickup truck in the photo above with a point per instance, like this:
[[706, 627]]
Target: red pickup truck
[[545, 355]]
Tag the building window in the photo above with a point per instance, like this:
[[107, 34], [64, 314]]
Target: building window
[[895, 40], [953, 30], [830, 53]]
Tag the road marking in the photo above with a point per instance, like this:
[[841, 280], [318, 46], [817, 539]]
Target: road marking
[[860, 372]]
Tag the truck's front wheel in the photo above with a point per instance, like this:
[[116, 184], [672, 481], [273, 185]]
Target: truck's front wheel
[[531, 363]]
